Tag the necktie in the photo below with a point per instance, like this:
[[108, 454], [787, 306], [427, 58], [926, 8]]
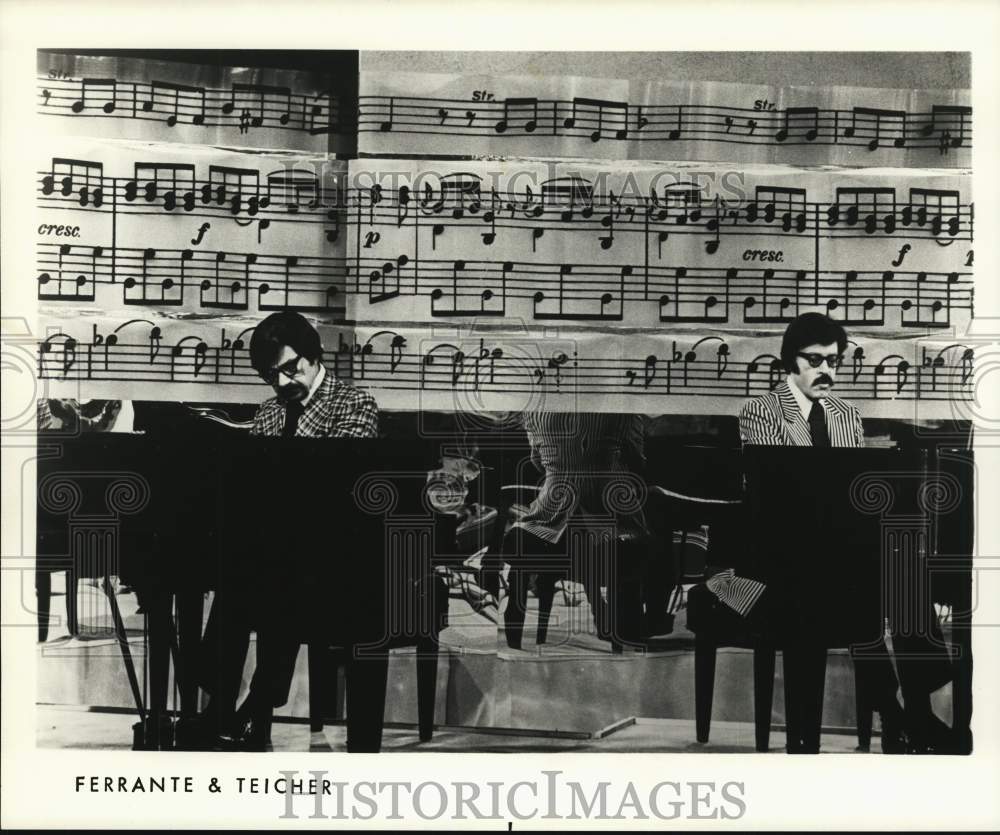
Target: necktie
[[817, 426], [293, 411]]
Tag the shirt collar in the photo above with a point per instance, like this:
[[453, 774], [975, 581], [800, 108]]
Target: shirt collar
[[805, 404], [316, 384]]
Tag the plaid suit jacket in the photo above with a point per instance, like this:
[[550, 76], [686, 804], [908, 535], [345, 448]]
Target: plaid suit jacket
[[774, 419], [337, 410]]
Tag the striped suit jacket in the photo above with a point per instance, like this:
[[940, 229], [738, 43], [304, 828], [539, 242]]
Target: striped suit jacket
[[774, 419], [583, 455]]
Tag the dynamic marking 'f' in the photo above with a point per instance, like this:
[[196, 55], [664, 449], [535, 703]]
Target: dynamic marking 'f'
[[201, 233]]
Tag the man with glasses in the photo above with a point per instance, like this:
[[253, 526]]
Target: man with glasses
[[309, 402], [801, 411]]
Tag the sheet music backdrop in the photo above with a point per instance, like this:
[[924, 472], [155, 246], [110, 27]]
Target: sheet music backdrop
[[558, 265]]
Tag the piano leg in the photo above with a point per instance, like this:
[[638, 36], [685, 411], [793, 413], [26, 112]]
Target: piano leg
[[805, 672], [158, 731], [863, 710], [43, 593], [704, 684], [72, 615], [427, 661], [320, 677], [366, 681], [763, 694], [962, 689], [545, 589], [815, 683], [122, 636], [190, 612]]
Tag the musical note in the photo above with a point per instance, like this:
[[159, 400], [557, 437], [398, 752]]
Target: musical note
[[675, 132], [82, 277], [490, 217], [259, 102], [167, 89], [386, 125], [942, 121], [648, 373], [941, 208], [778, 204], [79, 176], [226, 293], [174, 182], [901, 372], [868, 114], [568, 194], [517, 110], [489, 354], [801, 116], [461, 193], [380, 288], [233, 186], [199, 357], [583, 109], [293, 190], [871, 205], [147, 284], [99, 88], [478, 285]]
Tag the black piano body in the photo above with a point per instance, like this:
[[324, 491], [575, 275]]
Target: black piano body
[[333, 540], [847, 538]]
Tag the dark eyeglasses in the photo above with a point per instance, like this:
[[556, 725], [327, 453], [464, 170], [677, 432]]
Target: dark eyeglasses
[[290, 369], [816, 360]]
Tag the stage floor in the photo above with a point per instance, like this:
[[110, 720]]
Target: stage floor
[[572, 684], [80, 728]]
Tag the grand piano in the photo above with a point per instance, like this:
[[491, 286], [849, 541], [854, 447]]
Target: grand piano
[[847, 539], [333, 540]]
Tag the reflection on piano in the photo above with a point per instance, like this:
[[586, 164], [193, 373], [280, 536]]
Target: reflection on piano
[[304, 528], [846, 539]]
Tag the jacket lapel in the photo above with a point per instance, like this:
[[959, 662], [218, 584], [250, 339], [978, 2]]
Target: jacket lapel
[[796, 429], [839, 426]]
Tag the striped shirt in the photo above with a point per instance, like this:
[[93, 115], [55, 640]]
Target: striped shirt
[[738, 593], [592, 465]]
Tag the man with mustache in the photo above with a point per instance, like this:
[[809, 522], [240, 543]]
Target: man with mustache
[[309, 402], [802, 411]]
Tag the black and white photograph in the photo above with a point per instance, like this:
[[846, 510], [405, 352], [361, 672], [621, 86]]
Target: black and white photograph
[[423, 402]]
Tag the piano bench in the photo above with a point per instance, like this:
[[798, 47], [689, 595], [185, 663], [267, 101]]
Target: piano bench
[[716, 625]]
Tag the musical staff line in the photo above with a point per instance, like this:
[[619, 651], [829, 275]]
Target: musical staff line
[[943, 129], [924, 213], [241, 106], [681, 294], [385, 361]]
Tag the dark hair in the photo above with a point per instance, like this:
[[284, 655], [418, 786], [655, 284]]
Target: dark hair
[[277, 330], [810, 329]]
